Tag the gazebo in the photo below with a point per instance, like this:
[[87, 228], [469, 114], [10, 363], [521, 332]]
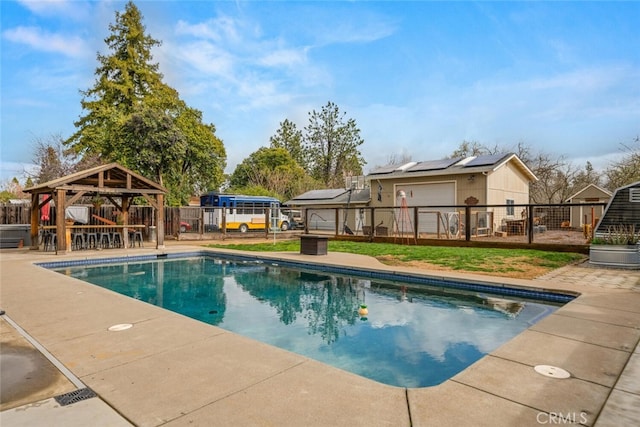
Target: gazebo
[[111, 181]]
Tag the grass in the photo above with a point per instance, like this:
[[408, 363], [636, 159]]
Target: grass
[[519, 263]]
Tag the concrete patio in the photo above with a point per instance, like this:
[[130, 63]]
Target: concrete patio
[[171, 370]]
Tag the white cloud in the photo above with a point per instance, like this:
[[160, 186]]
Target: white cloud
[[38, 39], [348, 25], [67, 9], [284, 57], [207, 58], [236, 60], [221, 29]]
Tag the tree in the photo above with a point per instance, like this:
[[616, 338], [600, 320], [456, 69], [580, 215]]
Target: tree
[[270, 171], [582, 178], [331, 146], [290, 138], [470, 148], [132, 117], [555, 174], [52, 160], [626, 170]]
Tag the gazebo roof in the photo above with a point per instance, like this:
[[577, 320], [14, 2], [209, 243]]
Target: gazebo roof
[[109, 179]]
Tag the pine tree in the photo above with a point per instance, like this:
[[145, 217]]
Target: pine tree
[[331, 146], [132, 117]]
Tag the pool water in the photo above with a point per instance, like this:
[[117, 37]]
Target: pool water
[[414, 335]]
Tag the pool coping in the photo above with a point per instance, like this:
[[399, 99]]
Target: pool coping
[[594, 337]]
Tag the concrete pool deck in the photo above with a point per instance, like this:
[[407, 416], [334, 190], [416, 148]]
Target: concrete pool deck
[[171, 370]]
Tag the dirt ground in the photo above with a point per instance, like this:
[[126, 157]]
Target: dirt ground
[[522, 269]]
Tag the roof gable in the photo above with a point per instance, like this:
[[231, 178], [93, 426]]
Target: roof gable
[[469, 165], [111, 178], [594, 191]]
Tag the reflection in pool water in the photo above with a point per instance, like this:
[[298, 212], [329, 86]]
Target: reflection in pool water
[[413, 335]]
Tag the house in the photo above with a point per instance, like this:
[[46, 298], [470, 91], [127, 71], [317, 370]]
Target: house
[[439, 186], [444, 184], [588, 215]]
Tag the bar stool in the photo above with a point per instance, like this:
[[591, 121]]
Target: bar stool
[[135, 236], [116, 239], [50, 241], [104, 240], [77, 240], [91, 240]]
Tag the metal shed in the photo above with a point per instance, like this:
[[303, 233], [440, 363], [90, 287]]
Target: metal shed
[[622, 210]]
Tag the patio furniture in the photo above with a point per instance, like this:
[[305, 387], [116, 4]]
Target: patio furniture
[[49, 241], [116, 239], [91, 240], [104, 240], [312, 244], [135, 236], [77, 240]]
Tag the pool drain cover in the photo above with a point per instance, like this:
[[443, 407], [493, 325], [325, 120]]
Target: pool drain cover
[[120, 327], [552, 371], [75, 396]]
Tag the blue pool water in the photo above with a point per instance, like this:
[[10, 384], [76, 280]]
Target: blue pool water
[[414, 335]]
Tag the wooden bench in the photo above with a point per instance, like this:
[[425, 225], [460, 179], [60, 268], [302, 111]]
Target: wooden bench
[[313, 244]]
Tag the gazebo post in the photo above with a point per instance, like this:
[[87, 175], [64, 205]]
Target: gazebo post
[[160, 222], [35, 217], [125, 221], [61, 226]]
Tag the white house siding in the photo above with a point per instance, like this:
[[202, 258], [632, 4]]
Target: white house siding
[[426, 194], [506, 183]]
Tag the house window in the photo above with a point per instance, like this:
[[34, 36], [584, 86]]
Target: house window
[[634, 195], [510, 208]]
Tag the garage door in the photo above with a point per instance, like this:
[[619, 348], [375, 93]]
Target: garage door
[[435, 194]]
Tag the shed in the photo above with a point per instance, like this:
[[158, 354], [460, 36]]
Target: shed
[[623, 209], [582, 215], [320, 208], [113, 181]]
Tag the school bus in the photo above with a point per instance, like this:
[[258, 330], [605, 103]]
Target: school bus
[[242, 213]]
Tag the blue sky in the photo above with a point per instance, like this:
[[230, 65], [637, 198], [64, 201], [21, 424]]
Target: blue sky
[[418, 77]]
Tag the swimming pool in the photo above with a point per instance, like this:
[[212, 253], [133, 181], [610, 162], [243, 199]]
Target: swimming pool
[[417, 332]]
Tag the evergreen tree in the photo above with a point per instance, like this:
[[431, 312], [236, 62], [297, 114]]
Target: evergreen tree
[[132, 117], [331, 146], [290, 138]]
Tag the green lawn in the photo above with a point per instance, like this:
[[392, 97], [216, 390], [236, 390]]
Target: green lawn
[[522, 263]]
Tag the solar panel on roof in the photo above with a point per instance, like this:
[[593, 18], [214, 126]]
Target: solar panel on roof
[[485, 160], [384, 169], [320, 194], [431, 165]]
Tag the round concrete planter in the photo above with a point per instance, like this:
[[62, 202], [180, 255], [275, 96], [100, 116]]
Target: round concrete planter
[[624, 256]]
